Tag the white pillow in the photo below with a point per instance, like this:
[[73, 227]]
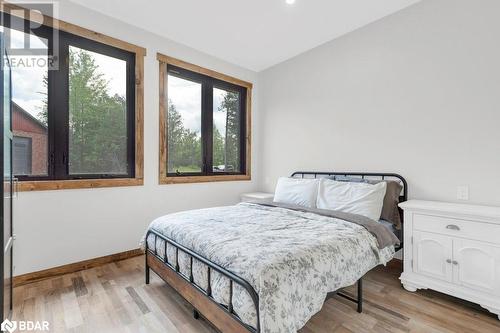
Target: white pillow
[[297, 191], [357, 198]]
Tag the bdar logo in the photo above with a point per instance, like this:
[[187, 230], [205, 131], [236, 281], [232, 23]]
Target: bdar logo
[[8, 326]]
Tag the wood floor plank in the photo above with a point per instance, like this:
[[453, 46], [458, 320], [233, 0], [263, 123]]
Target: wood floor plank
[[79, 286], [113, 298], [138, 300], [72, 311]]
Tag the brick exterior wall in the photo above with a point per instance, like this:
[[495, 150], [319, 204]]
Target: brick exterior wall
[[24, 125]]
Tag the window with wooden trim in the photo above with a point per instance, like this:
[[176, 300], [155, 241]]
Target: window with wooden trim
[[204, 124], [81, 121]]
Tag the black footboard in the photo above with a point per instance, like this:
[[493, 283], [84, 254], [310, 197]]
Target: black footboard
[[233, 279], [160, 265]]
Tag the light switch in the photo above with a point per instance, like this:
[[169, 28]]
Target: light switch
[[463, 192]]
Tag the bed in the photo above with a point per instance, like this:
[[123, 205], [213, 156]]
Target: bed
[[257, 267]]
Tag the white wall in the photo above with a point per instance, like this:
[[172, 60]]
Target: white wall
[[417, 93], [59, 227]]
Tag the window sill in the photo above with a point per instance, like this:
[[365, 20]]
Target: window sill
[[46, 185], [202, 179]]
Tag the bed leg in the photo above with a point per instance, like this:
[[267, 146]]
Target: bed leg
[[147, 269], [360, 295], [196, 314]]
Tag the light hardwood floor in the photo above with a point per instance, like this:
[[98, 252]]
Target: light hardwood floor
[[114, 298]]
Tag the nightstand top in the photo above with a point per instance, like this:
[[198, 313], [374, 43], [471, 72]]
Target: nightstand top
[[450, 207]]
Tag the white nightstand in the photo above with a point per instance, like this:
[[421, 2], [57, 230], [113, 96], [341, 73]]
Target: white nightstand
[[260, 196], [454, 249]]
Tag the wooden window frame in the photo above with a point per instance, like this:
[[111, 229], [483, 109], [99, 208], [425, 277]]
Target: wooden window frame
[[164, 177], [140, 53]]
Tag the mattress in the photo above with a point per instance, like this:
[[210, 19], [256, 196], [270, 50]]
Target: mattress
[[292, 259]]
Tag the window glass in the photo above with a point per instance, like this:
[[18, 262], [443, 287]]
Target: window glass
[[22, 154], [205, 125], [97, 113], [184, 126], [226, 131], [29, 106]]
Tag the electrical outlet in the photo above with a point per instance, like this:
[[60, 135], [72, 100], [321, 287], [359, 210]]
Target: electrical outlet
[[463, 192]]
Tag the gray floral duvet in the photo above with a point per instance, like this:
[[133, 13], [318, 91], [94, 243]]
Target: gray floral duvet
[[291, 258]]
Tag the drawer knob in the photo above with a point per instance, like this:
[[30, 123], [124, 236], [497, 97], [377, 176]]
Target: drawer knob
[[455, 262], [448, 261], [453, 227]]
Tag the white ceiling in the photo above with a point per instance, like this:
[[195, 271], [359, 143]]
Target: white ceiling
[[254, 34]]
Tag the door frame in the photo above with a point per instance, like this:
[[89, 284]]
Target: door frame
[[9, 247]]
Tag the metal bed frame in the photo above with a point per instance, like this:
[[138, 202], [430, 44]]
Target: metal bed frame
[[221, 316]]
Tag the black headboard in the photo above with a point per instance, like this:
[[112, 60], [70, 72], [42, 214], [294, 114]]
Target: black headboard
[[364, 175]]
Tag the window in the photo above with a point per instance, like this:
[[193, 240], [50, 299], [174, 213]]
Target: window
[[21, 155], [29, 109], [226, 130], [184, 126], [100, 141], [79, 124], [205, 124]]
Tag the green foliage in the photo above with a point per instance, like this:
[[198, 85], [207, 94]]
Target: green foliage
[[230, 105], [97, 121], [184, 145], [218, 147]]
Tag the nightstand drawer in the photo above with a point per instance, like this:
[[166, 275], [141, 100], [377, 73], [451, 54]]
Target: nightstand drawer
[[458, 228]]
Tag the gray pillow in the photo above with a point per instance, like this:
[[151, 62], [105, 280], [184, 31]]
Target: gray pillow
[[390, 211]]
